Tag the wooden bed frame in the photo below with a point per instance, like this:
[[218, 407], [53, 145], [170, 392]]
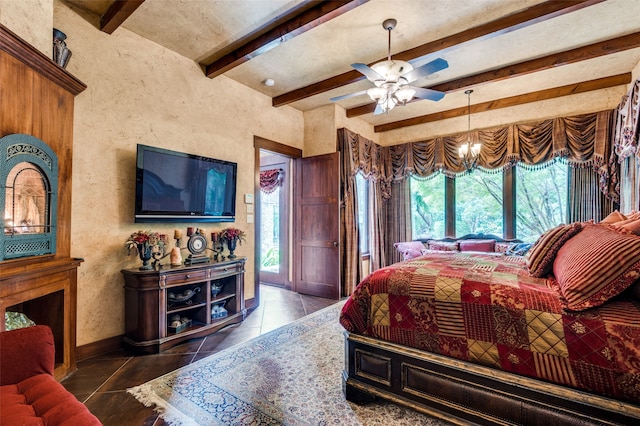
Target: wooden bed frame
[[463, 393]]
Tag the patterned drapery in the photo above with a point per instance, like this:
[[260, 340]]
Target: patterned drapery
[[625, 142], [270, 180]]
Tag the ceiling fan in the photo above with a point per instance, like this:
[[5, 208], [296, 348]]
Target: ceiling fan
[[392, 79]]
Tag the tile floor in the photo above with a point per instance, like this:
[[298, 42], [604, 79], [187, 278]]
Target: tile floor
[[101, 382]]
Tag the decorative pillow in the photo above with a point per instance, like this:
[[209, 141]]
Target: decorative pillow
[[632, 227], [518, 249], [596, 265], [541, 256], [477, 245], [501, 247], [409, 249], [613, 217], [443, 245]]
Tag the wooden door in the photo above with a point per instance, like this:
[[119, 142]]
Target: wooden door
[[316, 226]]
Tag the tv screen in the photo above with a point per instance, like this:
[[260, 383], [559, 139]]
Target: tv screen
[[174, 186]]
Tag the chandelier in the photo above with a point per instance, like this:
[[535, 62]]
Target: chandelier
[[393, 88], [469, 152]]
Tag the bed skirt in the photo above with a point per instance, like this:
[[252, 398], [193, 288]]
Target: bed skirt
[[463, 393]]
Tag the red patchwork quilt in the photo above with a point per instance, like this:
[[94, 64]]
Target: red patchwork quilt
[[488, 310]]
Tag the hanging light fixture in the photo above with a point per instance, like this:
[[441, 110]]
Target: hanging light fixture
[[469, 152], [393, 88]]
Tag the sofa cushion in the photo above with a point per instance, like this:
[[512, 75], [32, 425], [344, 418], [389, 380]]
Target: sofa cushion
[[41, 400], [18, 350]]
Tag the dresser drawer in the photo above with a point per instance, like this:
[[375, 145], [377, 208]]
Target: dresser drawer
[[185, 277]]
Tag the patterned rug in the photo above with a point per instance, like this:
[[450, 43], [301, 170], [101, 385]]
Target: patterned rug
[[289, 376]]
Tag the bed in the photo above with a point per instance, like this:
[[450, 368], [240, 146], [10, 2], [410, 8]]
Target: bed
[[551, 338]]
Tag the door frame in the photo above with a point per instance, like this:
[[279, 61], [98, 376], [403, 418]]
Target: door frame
[[260, 143]]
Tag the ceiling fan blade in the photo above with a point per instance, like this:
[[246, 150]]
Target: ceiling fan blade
[[350, 95], [367, 71], [378, 110], [432, 95], [426, 69]]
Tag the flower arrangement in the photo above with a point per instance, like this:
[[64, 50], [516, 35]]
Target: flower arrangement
[[144, 239], [232, 234]]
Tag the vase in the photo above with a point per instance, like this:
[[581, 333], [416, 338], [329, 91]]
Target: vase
[[61, 53], [231, 244], [145, 251]]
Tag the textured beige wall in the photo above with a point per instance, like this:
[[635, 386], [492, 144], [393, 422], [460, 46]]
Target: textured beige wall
[[321, 125], [32, 20], [139, 92]]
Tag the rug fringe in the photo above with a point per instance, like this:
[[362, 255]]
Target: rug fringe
[[171, 415]]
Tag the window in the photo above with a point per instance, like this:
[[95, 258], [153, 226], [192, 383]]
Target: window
[[479, 203], [480, 200], [362, 190], [427, 207], [541, 199]]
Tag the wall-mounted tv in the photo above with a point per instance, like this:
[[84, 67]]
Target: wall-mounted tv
[[174, 186]]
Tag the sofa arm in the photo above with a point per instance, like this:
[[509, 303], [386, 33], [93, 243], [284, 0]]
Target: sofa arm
[[26, 352]]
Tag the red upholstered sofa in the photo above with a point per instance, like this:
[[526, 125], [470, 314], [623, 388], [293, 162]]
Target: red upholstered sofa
[[29, 394]]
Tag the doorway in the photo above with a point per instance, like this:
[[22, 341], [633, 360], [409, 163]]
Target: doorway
[[271, 155], [275, 208]]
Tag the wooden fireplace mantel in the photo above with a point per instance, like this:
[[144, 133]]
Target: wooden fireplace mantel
[[45, 291], [38, 100]]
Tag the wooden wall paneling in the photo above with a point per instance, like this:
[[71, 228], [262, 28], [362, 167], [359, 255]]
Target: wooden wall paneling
[[36, 98]]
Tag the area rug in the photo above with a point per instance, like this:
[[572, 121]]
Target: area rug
[[289, 376]]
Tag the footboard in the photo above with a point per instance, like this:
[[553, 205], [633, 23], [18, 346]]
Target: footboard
[[462, 392]]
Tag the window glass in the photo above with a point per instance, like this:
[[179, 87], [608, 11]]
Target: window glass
[[427, 207], [479, 203], [541, 200], [362, 188]]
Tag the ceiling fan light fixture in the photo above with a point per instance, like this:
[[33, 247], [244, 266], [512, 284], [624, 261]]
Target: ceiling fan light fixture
[[405, 94], [377, 93]]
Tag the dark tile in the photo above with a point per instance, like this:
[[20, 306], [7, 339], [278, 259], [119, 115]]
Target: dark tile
[[141, 369], [101, 382], [92, 374], [120, 409]]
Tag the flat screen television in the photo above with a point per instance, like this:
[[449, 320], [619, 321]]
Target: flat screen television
[[174, 186]]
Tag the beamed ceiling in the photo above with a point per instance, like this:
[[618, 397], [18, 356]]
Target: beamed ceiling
[[509, 52]]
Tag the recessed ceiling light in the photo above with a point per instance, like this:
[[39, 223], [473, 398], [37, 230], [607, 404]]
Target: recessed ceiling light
[[268, 82]]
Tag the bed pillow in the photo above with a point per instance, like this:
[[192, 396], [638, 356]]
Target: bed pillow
[[477, 245], [614, 217], [543, 252], [631, 227], [596, 265], [501, 247], [443, 245], [409, 249]]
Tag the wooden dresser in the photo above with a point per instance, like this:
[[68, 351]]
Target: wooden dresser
[[168, 306]]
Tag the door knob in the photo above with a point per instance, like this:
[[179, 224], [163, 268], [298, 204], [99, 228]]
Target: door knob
[[335, 244]]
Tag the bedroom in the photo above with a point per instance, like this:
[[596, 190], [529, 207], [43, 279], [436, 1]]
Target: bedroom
[[141, 92]]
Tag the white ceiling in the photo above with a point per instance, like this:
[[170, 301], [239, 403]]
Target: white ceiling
[[203, 30]]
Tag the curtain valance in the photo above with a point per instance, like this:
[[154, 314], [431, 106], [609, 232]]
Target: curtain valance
[[581, 140], [270, 180]]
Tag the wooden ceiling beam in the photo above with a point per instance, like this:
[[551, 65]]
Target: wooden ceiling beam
[[541, 95], [592, 51], [306, 20], [117, 13], [532, 15]]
